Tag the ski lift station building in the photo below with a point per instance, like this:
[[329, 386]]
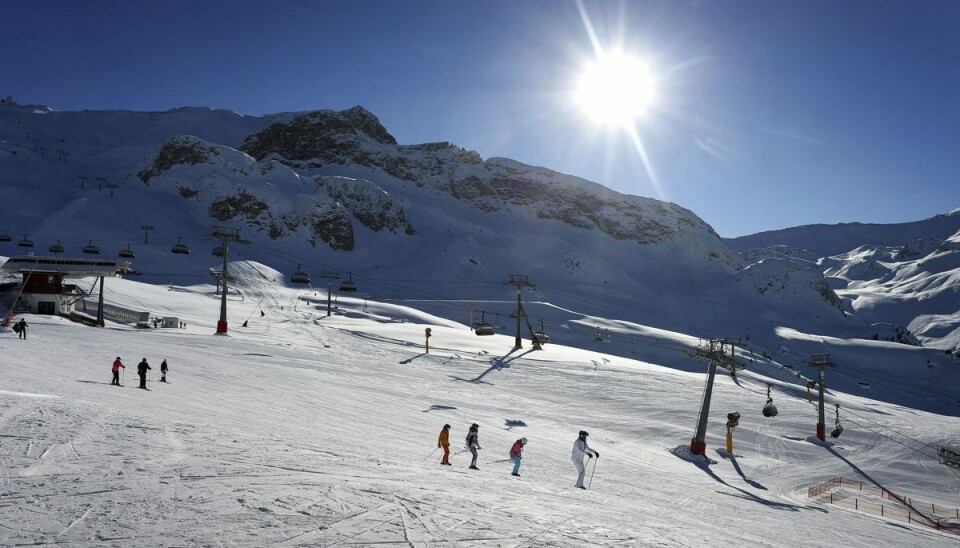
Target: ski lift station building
[[42, 289]]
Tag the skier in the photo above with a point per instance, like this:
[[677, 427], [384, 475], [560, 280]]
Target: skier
[[444, 441], [163, 371], [516, 453], [142, 369], [21, 328], [580, 448], [473, 443], [117, 364]]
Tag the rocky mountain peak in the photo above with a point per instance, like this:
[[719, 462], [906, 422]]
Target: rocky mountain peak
[[320, 134]]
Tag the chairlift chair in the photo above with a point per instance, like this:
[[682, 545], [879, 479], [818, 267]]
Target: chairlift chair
[[300, 277], [541, 337], [57, 248], [218, 251], [126, 253], [180, 248], [864, 383], [482, 328], [91, 249], [25, 242], [5, 238], [348, 286]]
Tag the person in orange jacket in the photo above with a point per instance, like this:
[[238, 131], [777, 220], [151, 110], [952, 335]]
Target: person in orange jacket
[[444, 441]]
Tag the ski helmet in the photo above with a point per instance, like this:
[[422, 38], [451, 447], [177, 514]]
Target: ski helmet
[[584, 433], [523, 441], [445, 426]]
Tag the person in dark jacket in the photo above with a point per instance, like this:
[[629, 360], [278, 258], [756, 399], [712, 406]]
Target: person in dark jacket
[[117, 365], [22, 331], [473, 443], [142, 369], [163, 371]]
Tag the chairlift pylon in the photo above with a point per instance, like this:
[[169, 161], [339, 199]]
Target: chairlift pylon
[[180, 248], [91, 249], [300, 277], [126, 253], [56, 248]]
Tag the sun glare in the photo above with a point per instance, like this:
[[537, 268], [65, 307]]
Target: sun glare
[[616, 89]]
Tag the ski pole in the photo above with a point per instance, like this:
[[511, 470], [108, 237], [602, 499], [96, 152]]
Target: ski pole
[[499, 461], [589, 483], [431, 454]]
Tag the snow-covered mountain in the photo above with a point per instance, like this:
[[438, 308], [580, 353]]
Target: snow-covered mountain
[[431, 224], [902, 280]]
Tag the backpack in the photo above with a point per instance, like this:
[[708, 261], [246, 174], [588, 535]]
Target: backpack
[[16, 328]]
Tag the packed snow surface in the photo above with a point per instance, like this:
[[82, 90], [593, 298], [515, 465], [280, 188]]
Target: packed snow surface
[[304, 429]]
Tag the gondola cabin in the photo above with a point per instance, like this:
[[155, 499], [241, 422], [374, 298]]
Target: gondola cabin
[[57, 248], [180, 248], [126, 253], [300, 277], [91, 249], [770, 410]]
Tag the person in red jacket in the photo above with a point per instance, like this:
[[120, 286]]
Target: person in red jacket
[[117, 364], [444, 441], [142, 369], [516, 453]]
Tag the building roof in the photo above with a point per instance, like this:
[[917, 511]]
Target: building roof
[[66, 266]]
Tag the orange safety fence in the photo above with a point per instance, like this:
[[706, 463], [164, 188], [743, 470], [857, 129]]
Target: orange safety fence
[[844, 493]]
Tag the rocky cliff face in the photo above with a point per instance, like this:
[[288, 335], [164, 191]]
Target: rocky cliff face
[[326, 139]]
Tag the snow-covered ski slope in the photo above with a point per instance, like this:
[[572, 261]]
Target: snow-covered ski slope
[[308, 430]]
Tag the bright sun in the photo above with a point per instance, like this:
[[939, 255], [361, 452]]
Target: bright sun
[[616, 89]]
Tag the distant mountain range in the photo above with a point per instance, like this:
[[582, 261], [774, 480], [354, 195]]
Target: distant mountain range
[[332, 192]]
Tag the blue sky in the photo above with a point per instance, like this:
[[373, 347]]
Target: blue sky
[[768, 113]]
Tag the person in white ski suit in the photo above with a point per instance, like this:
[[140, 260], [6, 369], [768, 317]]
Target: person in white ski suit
[[581, 449]]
